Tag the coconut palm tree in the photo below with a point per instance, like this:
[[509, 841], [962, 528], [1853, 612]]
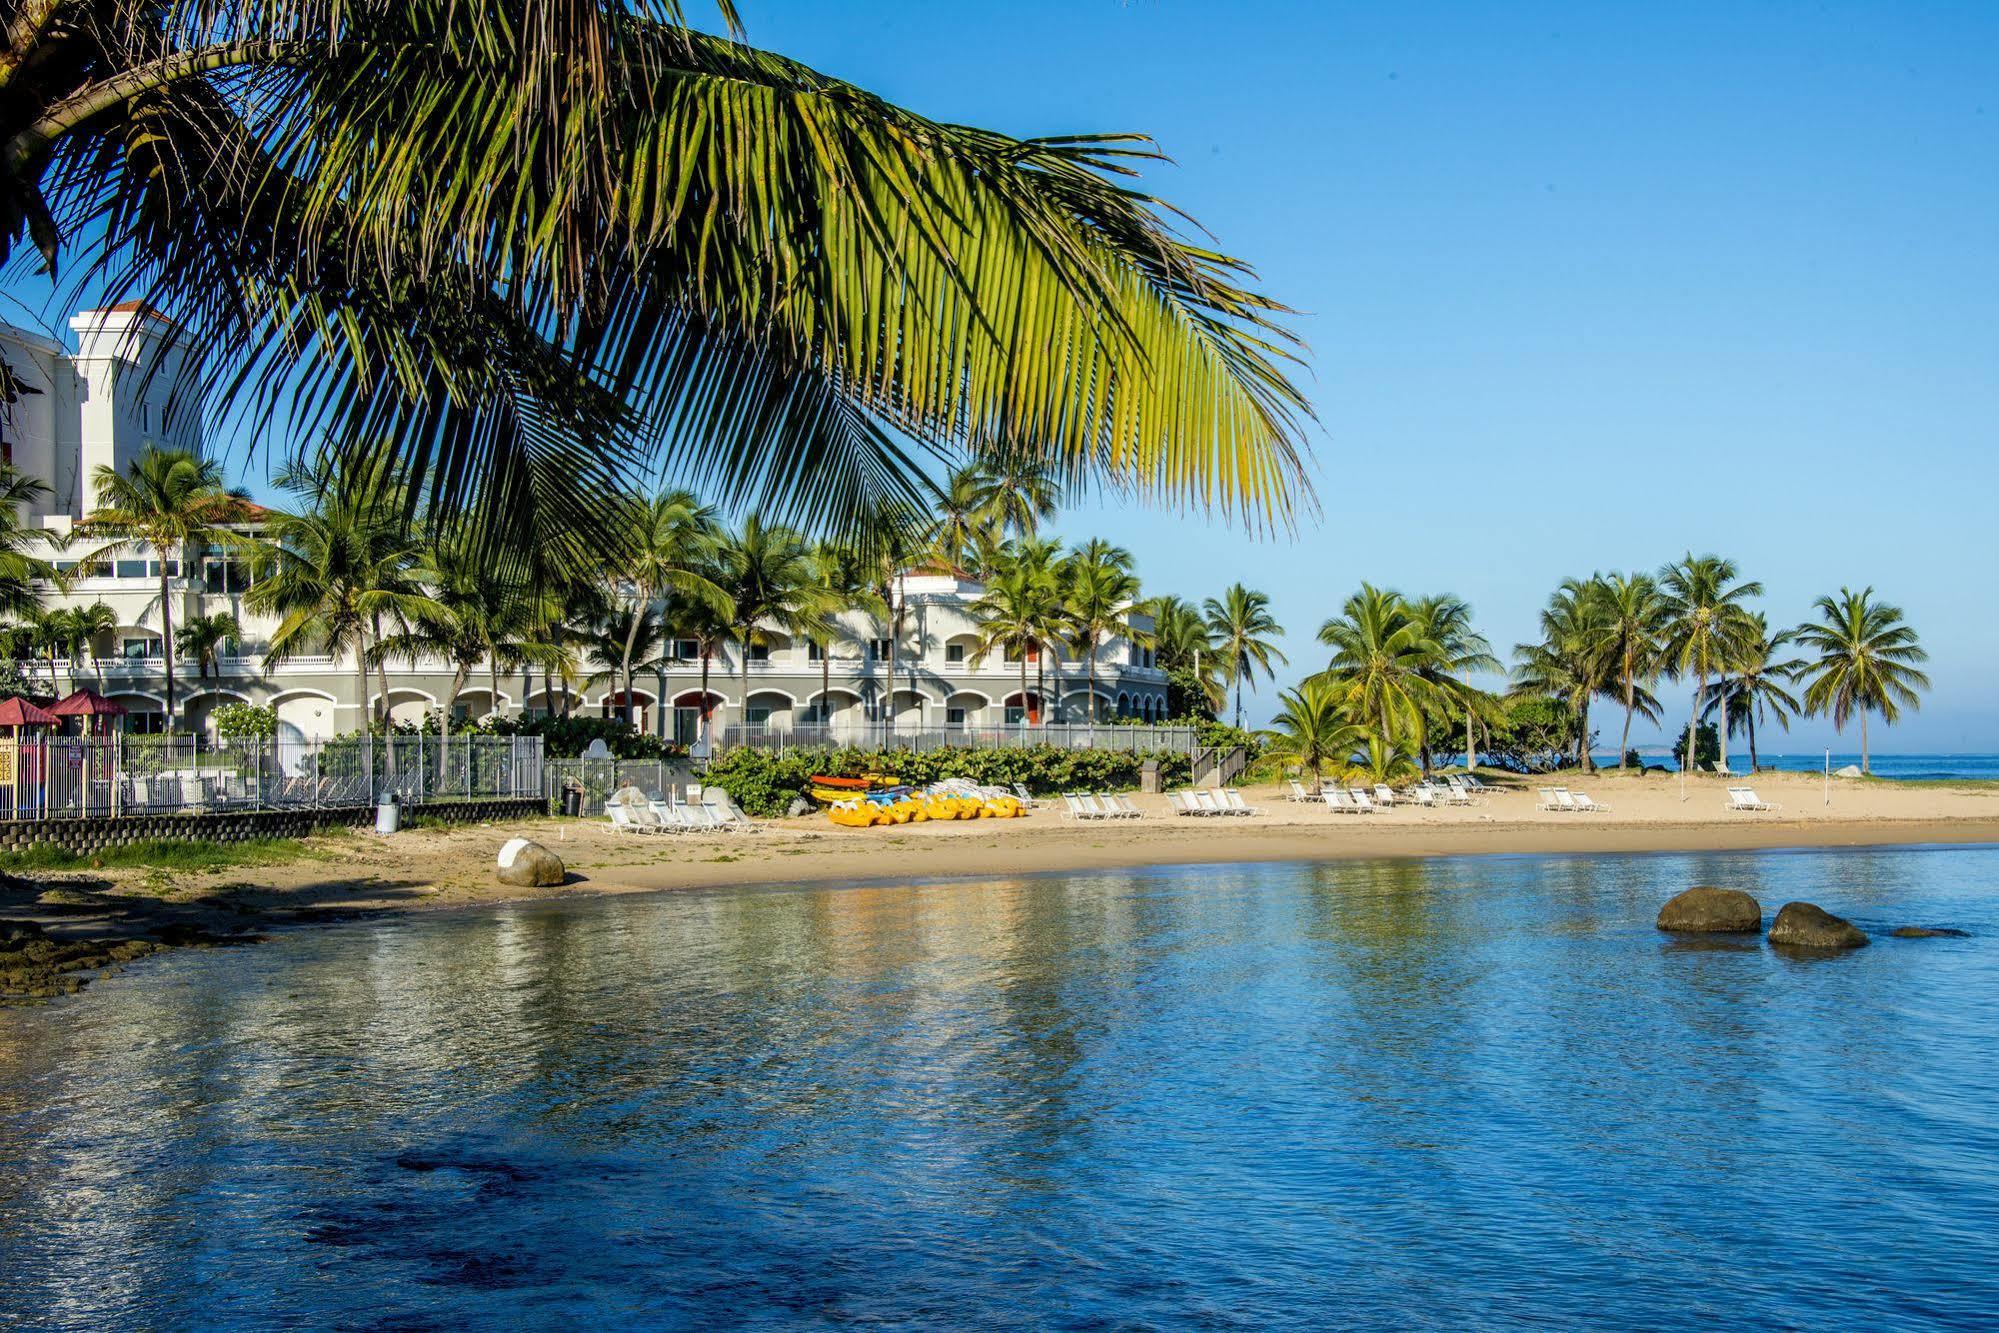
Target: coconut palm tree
[[963, 532], [1312, 728], [1632, 617], [663, 546], [1867, 657], [1382, 656], [339, 566], [766, 576], [170, 503], [201, 638], [523, 237], [1704, 619], [22, 565], [1571, 661], [1021, 493], [841, 576], [1756, 680], [1014, 610], [1181, 647], [1446, 621], [1098, 589], [1244, 634]]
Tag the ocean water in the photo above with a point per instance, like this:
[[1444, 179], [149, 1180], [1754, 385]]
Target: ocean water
[[1908, 766], [1453, 1093]]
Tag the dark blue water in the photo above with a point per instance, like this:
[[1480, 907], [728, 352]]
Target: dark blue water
[[1907, 766], [1464, 1092]]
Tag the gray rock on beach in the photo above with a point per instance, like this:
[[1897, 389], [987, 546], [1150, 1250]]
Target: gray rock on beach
[[1707, 910], [528, 864], [1929, 933], [1806, 926]]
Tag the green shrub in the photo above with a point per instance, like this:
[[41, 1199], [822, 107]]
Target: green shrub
[[568, 737], [244, 722], [764, 783]]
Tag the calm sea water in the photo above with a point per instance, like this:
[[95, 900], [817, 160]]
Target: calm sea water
[[1462, 1092], [1910, 766]]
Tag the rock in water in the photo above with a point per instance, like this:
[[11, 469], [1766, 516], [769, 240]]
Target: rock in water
[[1804, 926], [528, 864], [1929, 933], [1712, 911]]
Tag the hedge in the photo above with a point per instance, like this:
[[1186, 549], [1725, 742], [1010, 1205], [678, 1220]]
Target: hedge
[[765, 784]]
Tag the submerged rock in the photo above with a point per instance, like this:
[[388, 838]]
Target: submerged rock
[[1704, 909], [528, 864], [1929, 933], [1806, 926]]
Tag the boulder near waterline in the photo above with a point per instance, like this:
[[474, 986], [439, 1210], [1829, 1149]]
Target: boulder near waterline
[[528, 864], [1929, 933], [1805, 926], [1707, 910]]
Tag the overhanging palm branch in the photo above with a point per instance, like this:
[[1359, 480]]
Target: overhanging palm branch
[[537, 239]]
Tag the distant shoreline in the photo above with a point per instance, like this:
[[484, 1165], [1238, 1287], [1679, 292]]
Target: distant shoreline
[[356, 875]]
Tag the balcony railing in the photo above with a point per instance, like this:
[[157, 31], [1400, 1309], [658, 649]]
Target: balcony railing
[[887, 736]]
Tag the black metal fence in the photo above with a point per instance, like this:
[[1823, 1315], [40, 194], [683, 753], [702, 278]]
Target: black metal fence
[[69, 777]]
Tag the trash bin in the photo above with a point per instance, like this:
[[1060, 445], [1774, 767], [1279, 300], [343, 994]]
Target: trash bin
[[572, 801], [388, 814]]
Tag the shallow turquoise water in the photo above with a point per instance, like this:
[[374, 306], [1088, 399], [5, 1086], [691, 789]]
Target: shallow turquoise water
[[1447, 1093]]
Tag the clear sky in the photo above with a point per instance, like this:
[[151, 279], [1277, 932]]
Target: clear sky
[[1586, 286]]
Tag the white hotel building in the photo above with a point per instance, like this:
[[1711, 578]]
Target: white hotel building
[[97, 405]]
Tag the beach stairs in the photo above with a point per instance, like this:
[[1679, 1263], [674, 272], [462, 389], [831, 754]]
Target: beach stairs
[[1218, 765]]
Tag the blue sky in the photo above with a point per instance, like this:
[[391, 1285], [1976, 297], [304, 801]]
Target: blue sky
[[1585, 286]]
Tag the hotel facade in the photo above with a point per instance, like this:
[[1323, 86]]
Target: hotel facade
[[103, 396]]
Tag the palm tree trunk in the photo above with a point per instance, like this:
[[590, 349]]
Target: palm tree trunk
[[361, 681], [631, 638], [705, 709], [1583, 758], [1721, 732], [1238, 697], [1750, 717], [1023, 687], [825, 685], [492, 685], [166, 641], [1624, 742], [444, 720], [1866, 767], [1090, 676], [743, 699], [1687, 764]]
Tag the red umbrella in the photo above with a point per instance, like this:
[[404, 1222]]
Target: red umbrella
[[18, 712], [86, 703]]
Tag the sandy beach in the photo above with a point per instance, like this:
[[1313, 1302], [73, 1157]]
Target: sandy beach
[[104, 917]]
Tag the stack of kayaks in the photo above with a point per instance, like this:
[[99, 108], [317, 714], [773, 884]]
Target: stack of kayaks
[[828, 790], [919, 808]]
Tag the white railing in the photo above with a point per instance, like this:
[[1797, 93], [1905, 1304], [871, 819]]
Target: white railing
[[90, 777], [886, 736]]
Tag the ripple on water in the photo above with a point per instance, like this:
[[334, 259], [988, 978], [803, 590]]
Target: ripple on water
[[1433, 1094]]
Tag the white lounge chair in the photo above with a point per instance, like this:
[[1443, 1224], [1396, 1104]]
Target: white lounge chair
[[1745, 798], [1074, 808], [1177, 802], [1025, 798], [1298, 792], [1384, 795], [1548, 800], [1122, 808], [1339, 802], [1459, 794], [1426, 796], [622, 821], [1581, 801], [1472, 783], [1238, 806]]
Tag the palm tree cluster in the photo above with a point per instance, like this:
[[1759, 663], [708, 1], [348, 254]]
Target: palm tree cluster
[[532, 240], [1396, 687], [1617, 636]]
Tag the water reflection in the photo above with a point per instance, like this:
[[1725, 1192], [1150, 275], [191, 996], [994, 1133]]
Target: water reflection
[[1446, 1091]]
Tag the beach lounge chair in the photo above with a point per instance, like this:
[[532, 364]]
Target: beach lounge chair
[[1122, 808], [1338, 801], [1459, 793], [1176, 801], [1581, 801], [1359, 797], [1081, 807], [1744, 798], [1024, 797], [1298, 792], [621, 820], [1238, 806], [1473, 784], [1426, 796], [1384, 795], [1548, 801]]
